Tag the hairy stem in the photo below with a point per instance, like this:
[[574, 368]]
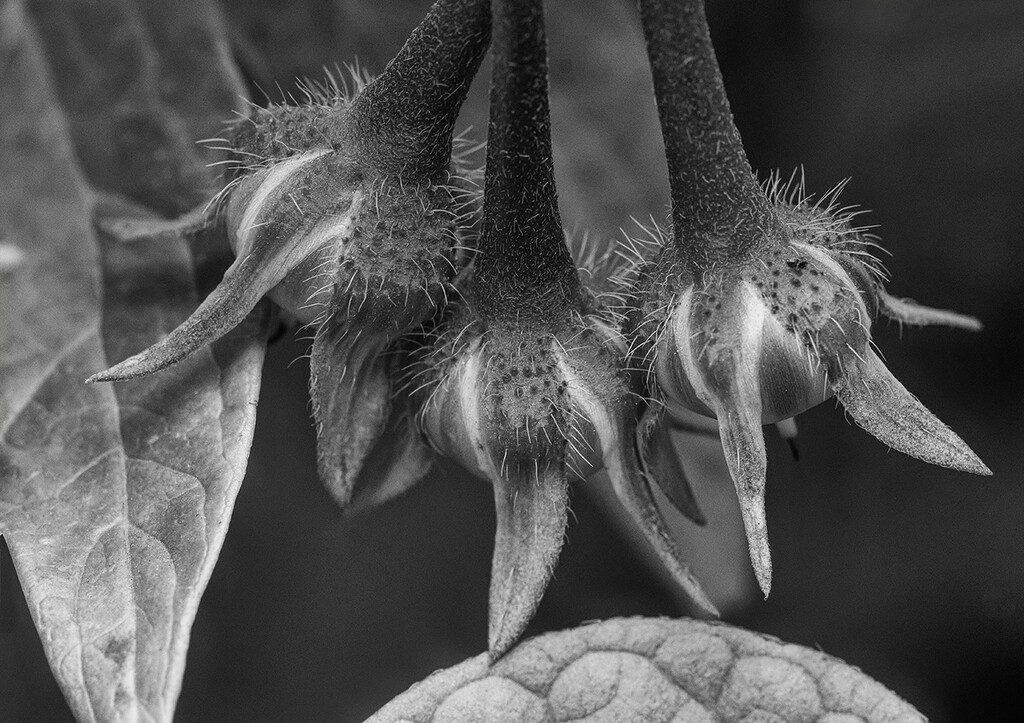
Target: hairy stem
[[522, 249], [405, 117], [716, 200]]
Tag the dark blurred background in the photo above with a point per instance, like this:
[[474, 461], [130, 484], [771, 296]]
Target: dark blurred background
[[911, 572]]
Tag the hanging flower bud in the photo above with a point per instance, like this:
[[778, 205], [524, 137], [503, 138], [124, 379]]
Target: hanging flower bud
[[526, 385], [350, 214], [760, 306]]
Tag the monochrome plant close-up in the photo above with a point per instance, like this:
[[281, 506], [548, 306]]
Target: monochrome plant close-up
[[516, 288]]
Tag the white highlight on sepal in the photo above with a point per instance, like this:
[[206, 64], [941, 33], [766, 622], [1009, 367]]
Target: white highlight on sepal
[[271, 183]]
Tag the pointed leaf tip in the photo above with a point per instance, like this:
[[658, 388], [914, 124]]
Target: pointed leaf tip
[[532, 510], [885, 409]]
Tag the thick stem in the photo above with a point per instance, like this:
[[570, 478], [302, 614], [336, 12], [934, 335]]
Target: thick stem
[[405, 117], [719, 212], [522, 251]]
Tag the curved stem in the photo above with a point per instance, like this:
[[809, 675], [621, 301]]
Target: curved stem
[[522, 247], [405, 117], [716, 200]]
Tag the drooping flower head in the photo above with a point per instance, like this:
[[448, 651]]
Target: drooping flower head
[[760, 305], [350, 214], [525, 385]]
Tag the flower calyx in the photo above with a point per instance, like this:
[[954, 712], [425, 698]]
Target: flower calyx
[[525, 384], [760, 304], [351, 214]]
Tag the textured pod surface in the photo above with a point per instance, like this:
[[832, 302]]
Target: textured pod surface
[[646, 669]]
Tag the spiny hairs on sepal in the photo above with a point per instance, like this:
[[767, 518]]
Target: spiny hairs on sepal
[[826, 222], [761, 304], [524, 381], [353, 214]]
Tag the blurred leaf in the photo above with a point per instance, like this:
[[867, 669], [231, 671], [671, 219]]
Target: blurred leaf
[[114, 500], [651, 669]]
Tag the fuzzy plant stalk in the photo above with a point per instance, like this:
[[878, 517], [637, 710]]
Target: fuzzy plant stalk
[[525, 385], [758, 303], [715, 196], [349, 212], [522, 247], [406, 117]]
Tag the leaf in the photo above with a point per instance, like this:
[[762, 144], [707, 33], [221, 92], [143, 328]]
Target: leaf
[[651, 669], [114, 499]]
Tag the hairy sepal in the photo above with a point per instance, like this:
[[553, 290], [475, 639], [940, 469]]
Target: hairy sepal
[[530, 491], [884, 408], [724, 371], [349, 384], [350, 394], [245, 282], [266, 254], [531, 503]]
